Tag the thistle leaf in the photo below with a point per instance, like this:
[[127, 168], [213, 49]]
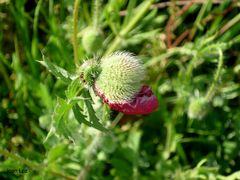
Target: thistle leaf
[[80, 117]]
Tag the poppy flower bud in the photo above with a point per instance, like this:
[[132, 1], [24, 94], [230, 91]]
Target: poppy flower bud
[[117, 79], [119, 85], [120, 78], [197, 108], [92, 40]]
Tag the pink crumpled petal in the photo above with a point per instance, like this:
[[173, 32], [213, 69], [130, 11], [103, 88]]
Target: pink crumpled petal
[[145, 102]]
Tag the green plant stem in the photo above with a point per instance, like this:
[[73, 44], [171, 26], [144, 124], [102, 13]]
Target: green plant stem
[[75, 30], [22, 160], [31, 164], [97, 5], [212, 88], [116, 120], [190, 68], [169, 139], [140, 12]]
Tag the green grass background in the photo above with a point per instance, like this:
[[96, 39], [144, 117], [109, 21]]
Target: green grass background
[[190, 50]]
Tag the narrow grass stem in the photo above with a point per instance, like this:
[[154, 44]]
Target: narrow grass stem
[[3, 71], [75, 31], [199, 18], [229, 24], [97, 5], [169, 139], [22, 160]]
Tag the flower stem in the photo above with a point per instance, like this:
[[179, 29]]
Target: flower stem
[[75, 30], [97, 5], [141, 11], [211, 90]]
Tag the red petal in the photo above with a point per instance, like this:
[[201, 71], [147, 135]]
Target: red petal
[[144, 103]]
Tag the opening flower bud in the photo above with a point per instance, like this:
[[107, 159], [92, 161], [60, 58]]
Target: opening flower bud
[[89, 71], [120, 78]]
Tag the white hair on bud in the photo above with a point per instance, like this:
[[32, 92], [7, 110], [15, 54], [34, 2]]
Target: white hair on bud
[[121, 76]]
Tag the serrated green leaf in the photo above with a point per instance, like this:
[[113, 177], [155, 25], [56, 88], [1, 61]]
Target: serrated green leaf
[[81, 118], [77, 111], [57, 71], [92, 114]]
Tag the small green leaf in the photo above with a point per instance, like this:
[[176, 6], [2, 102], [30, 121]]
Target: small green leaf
[[57, 71], [77, 111], [61, 110]]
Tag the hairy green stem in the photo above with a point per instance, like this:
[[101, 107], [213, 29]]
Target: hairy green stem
[[169, 139], [212, 88], [22, 160], [75, 30]]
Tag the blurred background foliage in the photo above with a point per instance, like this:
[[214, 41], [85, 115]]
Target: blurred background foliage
[[190, 49]]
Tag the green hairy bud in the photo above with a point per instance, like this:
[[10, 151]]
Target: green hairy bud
[[120, 77], [197, 108], [92, 40], [90, 70]]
